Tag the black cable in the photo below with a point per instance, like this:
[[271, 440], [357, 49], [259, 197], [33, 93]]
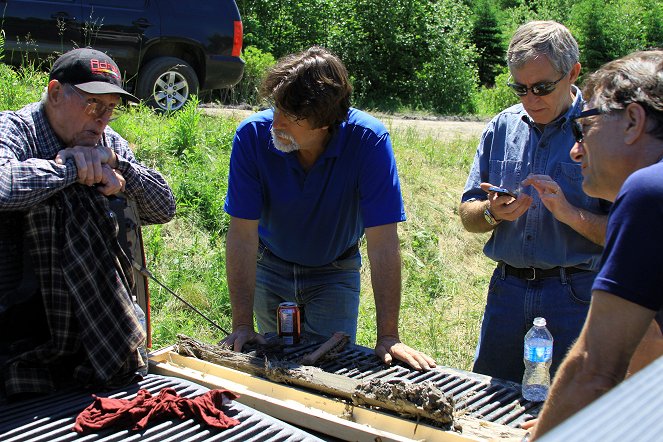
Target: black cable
[[149, 274]]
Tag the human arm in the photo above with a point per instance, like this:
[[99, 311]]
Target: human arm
[[590, 225], [384, 255], [598, 360], [146, 186], [503, 208], [25, 178], [241, 252]]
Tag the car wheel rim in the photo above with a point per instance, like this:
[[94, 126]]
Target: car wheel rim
[[171, 90]]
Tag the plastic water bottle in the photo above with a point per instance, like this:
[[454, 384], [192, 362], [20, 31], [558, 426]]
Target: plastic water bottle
[[142, 349], [538, 357]]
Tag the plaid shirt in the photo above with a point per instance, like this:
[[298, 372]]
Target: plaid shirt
[[84, 277]]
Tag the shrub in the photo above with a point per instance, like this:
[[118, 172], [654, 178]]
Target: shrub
[[490, 101], [257, 64]]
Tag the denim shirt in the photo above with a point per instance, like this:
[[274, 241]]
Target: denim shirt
[[511, 148]]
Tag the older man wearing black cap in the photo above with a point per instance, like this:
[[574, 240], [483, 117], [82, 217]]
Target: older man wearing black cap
[[66, 312]]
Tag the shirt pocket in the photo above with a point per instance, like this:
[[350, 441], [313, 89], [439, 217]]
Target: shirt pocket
[[507, 174], [569, 177]]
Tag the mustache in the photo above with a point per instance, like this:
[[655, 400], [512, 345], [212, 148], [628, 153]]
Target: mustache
[[282, 134]]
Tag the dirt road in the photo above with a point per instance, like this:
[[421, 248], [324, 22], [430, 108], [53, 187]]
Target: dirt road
[[442, 129]]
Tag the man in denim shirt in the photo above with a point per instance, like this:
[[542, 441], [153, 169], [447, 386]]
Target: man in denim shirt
[[547, 235]]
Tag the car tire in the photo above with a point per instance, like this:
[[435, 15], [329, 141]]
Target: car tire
[[166, 83]]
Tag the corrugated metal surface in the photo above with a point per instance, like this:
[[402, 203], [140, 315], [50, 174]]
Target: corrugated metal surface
[[51, 418], [475, 395], [633, 411]]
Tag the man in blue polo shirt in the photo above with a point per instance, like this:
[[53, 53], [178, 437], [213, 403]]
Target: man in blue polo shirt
[[308, 178]]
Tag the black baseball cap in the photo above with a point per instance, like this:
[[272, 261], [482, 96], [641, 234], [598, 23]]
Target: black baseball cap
[[91, 71]]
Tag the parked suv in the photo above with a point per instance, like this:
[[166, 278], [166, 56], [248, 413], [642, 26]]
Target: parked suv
[[167, 49]]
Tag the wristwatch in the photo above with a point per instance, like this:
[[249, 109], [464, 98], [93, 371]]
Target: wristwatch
[[490, 219]]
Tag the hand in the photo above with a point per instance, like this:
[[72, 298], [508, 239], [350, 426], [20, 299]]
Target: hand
[[529, 425], [240, 336], [88, 161], [505, 207], [550, 193], [389, 347], [111, 182]]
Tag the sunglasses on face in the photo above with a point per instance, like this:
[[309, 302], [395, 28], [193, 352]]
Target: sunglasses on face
[[96, 109], [576, 126], [539, 89]]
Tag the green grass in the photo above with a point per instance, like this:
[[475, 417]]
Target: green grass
[[445, 273]]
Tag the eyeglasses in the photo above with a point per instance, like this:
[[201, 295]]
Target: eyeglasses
[[576, 126], [539, 89], [96, 109]]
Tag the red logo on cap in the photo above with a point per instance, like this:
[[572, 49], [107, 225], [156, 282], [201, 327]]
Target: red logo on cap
[[104, 68]]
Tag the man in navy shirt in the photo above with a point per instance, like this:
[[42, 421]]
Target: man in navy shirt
[[619, 143], [547, 236], [308, 178]]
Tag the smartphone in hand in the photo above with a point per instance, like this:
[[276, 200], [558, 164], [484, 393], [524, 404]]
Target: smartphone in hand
[[502, 191]]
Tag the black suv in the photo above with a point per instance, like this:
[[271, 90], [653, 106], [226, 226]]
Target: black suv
[[167, 49]]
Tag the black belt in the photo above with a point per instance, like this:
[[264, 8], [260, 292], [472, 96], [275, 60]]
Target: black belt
[[532, 273], [349, 253]]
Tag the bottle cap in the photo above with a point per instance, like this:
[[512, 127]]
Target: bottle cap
[[540, 322]]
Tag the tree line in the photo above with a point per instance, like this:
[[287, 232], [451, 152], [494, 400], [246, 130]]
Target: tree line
[[443, 56]]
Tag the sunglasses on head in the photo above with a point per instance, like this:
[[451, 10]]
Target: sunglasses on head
[[576, 127], [539, 89]]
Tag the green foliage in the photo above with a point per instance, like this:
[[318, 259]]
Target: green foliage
[[403, 53], [20, 87], [184, 134], [487, 37], [147, 133], [606, 30], [490, 101], [446, 80], [283, 26], [257, 64]]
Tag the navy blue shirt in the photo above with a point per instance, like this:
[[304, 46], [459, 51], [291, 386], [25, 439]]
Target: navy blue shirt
[[512, 148], [311, 218], [631, 267]]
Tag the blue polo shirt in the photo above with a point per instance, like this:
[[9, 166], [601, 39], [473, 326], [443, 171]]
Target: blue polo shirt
[[511, 148], [311, 218], [631, 266]]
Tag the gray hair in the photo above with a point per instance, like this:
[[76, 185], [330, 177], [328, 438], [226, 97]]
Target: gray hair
[[44, 95], [548, 38], [635, 78]]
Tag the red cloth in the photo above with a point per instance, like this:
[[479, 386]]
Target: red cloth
[[136, 413]]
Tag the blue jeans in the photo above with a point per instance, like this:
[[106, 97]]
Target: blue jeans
[[328, 296], [512, 305]]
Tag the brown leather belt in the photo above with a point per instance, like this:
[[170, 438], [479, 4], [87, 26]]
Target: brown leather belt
[[532, 273]]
